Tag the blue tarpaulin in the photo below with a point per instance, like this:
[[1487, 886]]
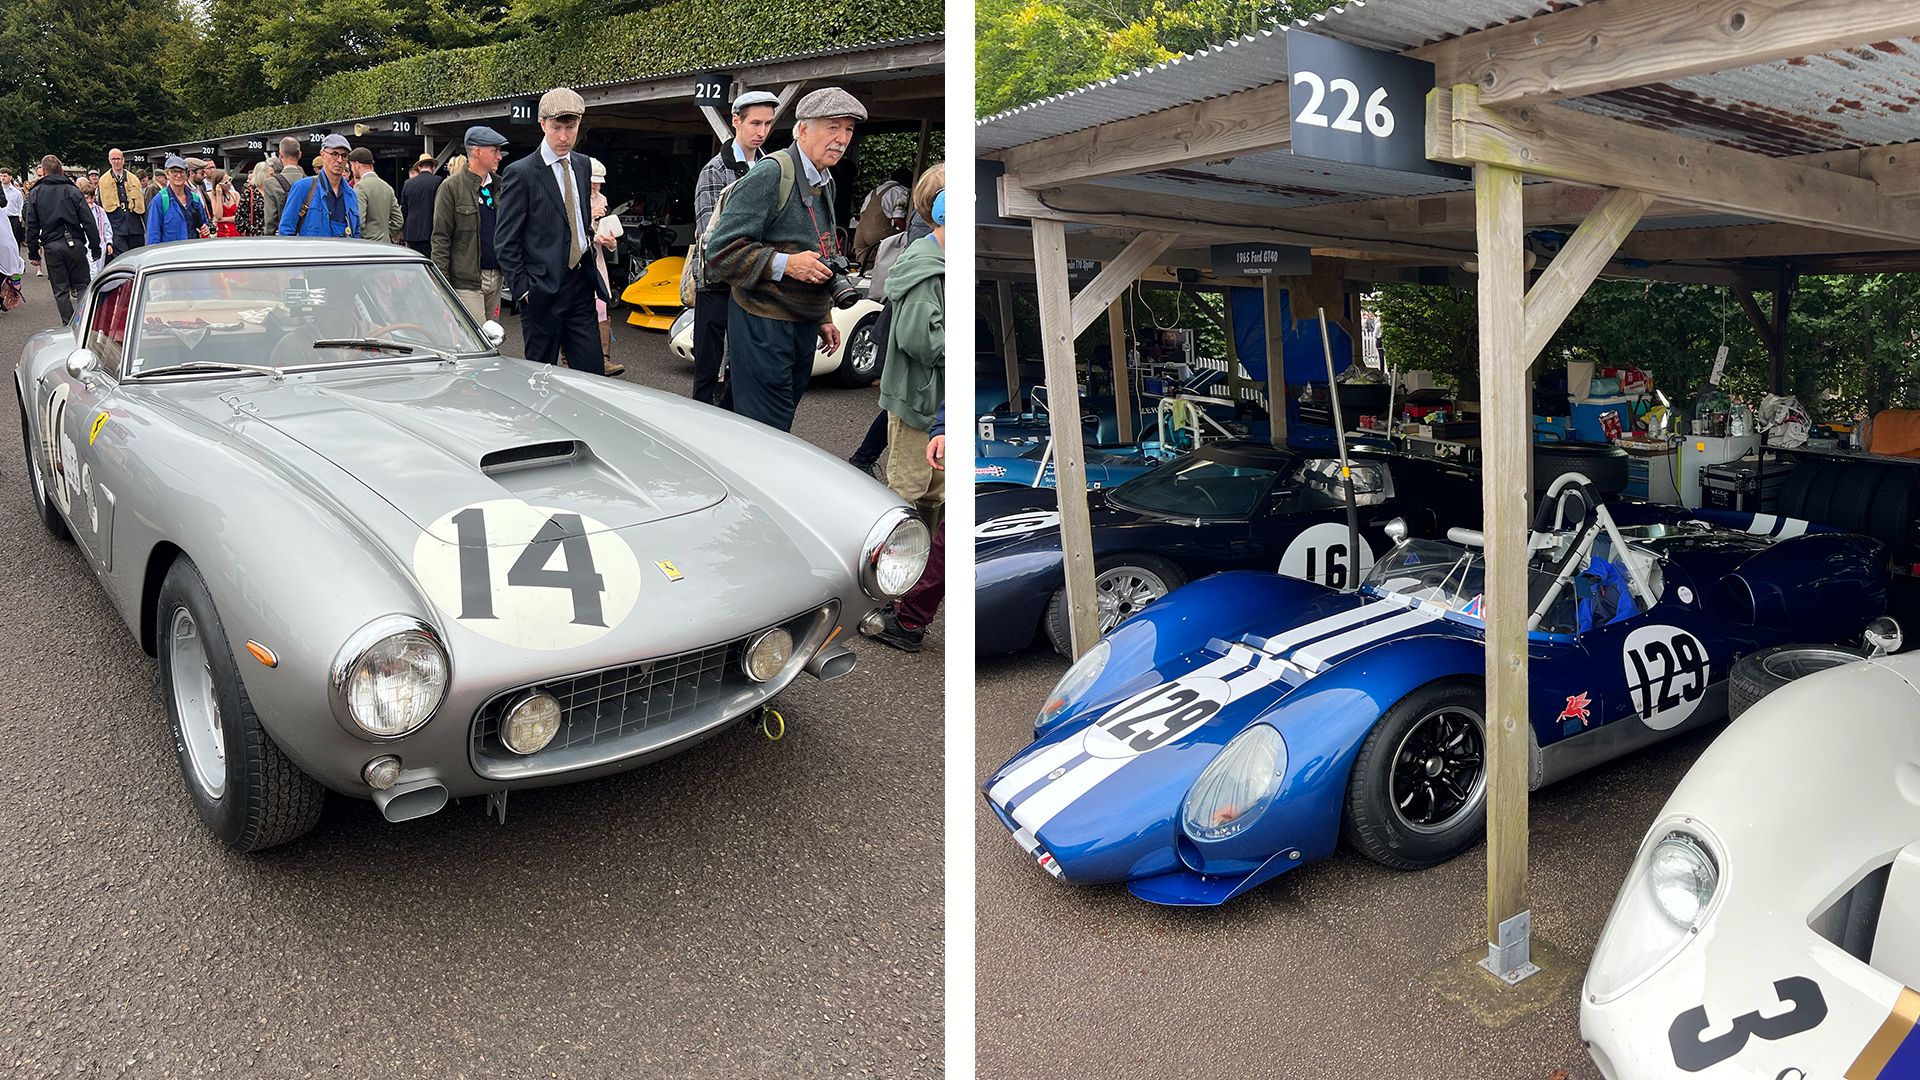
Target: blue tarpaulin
[[1301, 340]]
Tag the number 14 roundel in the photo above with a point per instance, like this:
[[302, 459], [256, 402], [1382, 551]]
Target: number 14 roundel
[[528, 576]]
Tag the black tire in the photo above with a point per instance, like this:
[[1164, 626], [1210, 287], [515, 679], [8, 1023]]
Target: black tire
[[862, 358], [36, 486], [1793, 494], [1605, 466], [1756, 675], [1111, 567], [1853, 496], [1891, 519], [1374, 822], [1819, 505], [266, 799]]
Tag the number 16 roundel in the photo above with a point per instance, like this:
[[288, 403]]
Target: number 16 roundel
[[528, 576]]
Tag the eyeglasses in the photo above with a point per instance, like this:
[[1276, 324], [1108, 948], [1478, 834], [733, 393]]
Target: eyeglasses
[[336, 152]]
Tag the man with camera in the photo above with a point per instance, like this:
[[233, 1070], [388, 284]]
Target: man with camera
[[774, 242]]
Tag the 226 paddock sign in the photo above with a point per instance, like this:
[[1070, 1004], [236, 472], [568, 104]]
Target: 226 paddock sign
[[1359, 105]]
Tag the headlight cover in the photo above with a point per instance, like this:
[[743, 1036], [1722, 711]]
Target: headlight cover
[[1236, 787], [1074, 683], [895, 554], [389, 677], [1665, 901]]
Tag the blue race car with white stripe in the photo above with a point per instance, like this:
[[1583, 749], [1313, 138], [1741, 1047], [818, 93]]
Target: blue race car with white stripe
[[1243, 725]]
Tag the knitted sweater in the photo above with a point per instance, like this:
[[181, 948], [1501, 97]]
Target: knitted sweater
[[750, 230]]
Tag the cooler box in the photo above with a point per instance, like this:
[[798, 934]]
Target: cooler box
[[1586, 417], [1738, 485], [1549, 428]]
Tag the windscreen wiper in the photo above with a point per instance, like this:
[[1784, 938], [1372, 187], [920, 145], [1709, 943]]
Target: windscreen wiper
[[383, 345], [211, 365]]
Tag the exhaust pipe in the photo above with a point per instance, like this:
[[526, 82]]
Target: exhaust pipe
[[830, 663], [411, 801]]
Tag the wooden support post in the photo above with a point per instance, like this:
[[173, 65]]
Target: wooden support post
[[1505, 409], [1762, 323], [1069, 449], [722, 127], [1782, 307], [1581, 259], [920, 149], [1122, 370], [1115, 278], [1270, 294], [1234, 379], [1009, 341]]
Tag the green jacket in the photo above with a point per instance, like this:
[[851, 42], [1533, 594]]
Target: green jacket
[[379, 210], [456, 229], [740, 246], [913, 382]]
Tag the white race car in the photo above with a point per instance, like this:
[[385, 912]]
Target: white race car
[[1770, 926], [855, 363]]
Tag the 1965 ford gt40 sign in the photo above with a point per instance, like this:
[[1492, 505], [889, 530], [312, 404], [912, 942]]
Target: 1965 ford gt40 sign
[[1244, 724], [374, 556]]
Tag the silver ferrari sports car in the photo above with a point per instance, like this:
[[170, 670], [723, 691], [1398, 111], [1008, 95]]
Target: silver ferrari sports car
[[373, 555]]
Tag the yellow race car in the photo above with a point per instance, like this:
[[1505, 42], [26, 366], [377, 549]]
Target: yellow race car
[[654, 300]]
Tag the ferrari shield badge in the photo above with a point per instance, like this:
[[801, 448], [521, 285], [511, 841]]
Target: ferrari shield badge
[[666, 567]]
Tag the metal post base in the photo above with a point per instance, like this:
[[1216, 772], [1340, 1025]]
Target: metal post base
[[1510, 958]]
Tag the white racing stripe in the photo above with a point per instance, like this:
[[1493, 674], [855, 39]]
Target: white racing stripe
[[1300, 635], [1791, 528], [1762, 524], [1316, 656], [1050, 800]]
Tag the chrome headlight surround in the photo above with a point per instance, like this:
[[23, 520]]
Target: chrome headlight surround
[[348, 662], [882, 537], [1645, 931]]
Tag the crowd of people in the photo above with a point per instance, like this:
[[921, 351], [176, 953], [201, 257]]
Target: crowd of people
[[767, 265]]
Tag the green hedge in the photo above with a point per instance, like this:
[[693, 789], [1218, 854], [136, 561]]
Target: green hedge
[[676, 36]]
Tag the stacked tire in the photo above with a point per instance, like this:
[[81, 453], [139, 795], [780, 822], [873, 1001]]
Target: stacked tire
[[1857, 496]]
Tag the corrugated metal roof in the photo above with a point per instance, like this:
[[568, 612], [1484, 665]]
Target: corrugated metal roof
[[1867, 96]]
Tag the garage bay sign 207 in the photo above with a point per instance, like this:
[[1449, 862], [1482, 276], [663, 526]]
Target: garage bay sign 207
[[1359, 105]]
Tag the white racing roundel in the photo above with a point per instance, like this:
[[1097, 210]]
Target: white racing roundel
[[1153, 718], [1017, 524], [1667, 674], [528, 576], [1320, 554]]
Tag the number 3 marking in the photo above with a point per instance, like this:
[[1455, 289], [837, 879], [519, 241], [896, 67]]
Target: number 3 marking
[[1693, 1053]]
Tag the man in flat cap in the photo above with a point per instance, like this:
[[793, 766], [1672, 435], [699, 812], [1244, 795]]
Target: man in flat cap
[[416, 198], [324, 204], [545, 241], [465, 224], [753, 114], [379, 209], [771, 242], [176, 211]]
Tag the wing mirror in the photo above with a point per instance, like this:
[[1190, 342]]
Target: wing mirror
[[81, 361], [1882, 637], [1396, 530], [493, 332]]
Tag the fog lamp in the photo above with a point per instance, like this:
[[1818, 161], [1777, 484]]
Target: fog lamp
[[382, 772], [531, 723]]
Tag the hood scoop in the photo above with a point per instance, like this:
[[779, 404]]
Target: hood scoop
[[532, 456]]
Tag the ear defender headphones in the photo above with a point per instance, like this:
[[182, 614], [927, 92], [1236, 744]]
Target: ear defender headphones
[[940, 208]]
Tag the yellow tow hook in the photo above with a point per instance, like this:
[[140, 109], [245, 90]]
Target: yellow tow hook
[[772, 724]]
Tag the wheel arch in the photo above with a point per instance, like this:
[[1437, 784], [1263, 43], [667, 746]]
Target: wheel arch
[[159, 561]]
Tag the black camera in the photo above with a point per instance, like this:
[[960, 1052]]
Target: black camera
[[846, 292]]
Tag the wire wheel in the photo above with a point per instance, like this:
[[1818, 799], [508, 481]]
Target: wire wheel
[[1439, 770], [1123, 591]]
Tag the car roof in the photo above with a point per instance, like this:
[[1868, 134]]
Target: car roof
[[271, 249]]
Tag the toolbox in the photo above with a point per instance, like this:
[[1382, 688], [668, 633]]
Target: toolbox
[[1739, 485]]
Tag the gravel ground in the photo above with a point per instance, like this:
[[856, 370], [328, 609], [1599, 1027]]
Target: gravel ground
[[746, 909]]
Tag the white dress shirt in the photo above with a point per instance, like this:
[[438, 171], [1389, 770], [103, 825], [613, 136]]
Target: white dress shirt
[[576, 162]]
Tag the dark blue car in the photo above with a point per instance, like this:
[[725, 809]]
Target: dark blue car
[[1227, 506]]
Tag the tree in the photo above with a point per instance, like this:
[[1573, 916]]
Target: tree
[[298, 45]]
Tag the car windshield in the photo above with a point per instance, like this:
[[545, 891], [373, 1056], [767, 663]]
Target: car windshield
[[272, 315], [1435, 574], [1196, 487]]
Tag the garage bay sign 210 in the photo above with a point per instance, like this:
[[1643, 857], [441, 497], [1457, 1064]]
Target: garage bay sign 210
[[1359, 105]]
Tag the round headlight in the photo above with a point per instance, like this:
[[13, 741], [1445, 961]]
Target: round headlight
[[531, 723], [1236, 786], [767, 654], [1682, 876], [390, 677], [1074, 683], [680, 322], [895, 558]]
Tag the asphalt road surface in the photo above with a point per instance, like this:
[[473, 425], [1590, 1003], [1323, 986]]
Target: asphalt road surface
[[746, 909], [1339, 969]]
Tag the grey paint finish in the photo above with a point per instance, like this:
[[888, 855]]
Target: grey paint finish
[[307, 504]]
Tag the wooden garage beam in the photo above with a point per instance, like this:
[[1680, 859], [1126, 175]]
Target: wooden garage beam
[[1242, 123], [1192, 219], [1069, 450], [1581, 259], [1122, 380], [1747, 242], [1271, 293], [1565, 144], [1895, 168], [1505, 410], [1609, 44], [1009, 342], [1116, 277], [1762, 324]]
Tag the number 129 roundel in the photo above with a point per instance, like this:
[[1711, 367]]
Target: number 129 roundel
[[1247, 723], [376, 557]]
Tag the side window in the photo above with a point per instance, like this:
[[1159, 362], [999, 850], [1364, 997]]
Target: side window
[[107, 323]]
